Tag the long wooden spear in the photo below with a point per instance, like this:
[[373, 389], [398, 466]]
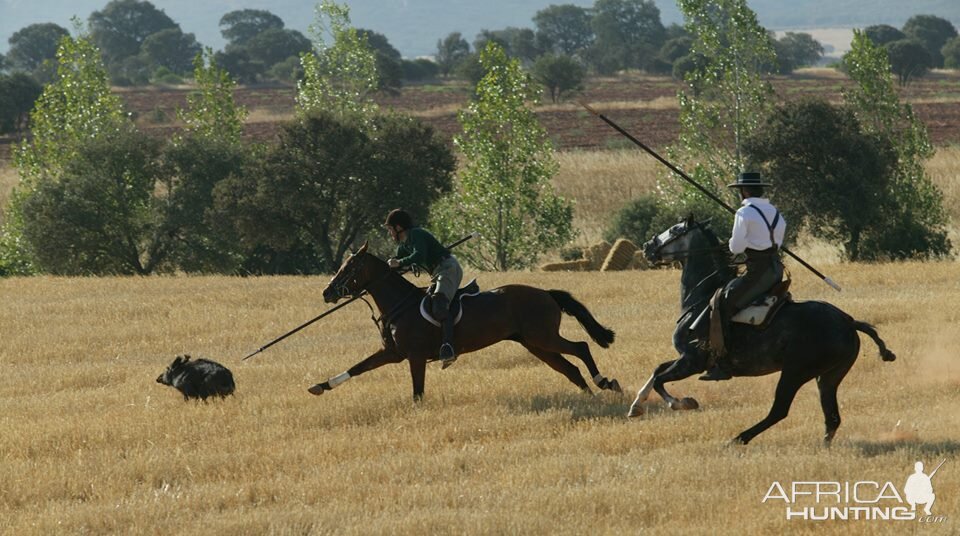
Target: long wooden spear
[[706, 192], [334, 308]]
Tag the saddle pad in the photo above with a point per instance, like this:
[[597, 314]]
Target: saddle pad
[[755, 314], [425, 313]]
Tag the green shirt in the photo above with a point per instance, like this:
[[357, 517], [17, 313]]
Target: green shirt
[[422, 249]]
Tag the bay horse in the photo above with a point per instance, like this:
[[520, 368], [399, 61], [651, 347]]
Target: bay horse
[[527, 315], [805, 340]]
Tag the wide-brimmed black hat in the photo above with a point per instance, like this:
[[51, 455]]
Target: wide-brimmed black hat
[[749, 178]]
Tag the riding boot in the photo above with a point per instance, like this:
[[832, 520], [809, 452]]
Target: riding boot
[[716, 353], [447, 355]]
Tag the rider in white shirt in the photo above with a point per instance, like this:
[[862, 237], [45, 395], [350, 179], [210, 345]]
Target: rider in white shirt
[[758, 229]]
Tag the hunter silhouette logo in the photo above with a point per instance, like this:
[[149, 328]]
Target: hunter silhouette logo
[[862, 500], [919, 489]]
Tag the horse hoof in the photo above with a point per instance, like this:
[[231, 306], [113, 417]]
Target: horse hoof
[[316, 390], [684, 404], [636, 410], [614, 386]]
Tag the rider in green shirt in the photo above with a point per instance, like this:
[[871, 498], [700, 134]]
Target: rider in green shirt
[[418, 247]]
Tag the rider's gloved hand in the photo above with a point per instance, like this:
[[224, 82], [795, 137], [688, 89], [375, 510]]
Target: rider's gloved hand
[[393, 263]]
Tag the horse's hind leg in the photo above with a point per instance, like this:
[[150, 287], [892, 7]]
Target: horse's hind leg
[[828, 383], [558, 363], [557, 343], [787, 389]]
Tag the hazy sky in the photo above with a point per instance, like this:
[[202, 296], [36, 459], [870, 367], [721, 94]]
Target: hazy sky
[[412, 26]]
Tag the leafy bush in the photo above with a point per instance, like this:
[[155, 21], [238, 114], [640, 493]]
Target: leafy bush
[[640, 220]]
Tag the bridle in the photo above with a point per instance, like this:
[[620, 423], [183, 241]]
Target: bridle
[[673, 234]]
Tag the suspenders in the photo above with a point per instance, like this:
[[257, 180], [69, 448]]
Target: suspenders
[[770, 227]]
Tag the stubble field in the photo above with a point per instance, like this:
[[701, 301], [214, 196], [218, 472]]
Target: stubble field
[[500, 443]]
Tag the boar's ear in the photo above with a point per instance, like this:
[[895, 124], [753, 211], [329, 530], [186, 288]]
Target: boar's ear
[[186, 357], [176, 362]]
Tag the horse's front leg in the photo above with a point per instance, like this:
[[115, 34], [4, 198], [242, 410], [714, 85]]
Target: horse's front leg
[[378, 359], [682, 368], [636, 409]]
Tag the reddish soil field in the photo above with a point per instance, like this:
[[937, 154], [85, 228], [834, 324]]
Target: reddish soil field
[[645, 106]]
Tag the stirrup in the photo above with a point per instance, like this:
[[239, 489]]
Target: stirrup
[[447, 355]]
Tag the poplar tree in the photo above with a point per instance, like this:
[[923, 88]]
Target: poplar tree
[[724, 100], [75, 108], [339, 77], [504, 184]]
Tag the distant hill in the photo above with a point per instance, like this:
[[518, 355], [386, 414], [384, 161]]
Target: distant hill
[[414, 26]]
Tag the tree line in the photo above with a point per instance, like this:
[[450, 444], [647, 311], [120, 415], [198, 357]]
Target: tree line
[[99, 197]]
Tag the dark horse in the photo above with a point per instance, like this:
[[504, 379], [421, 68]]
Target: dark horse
[[805, 340], [520, 313]]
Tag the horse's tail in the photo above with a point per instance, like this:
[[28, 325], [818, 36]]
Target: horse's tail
[[600, 334], [863, 327]]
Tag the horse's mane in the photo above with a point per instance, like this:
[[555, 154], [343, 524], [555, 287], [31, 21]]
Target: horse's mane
[[393, 275], [723, 257]]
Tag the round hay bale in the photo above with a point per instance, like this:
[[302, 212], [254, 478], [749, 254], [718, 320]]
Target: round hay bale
[[620, 256], [580, 265], [640, 261], [596, 254]]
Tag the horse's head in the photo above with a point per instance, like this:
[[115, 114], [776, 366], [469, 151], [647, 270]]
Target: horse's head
[[354, 275], [674, 244]]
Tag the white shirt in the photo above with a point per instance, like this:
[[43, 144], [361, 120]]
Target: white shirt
[[749, 229]]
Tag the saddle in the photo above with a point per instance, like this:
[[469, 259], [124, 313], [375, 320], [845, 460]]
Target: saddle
[[456, 308], [763, 309], [759, 313]]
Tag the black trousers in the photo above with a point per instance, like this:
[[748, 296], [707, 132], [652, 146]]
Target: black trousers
[[764, 270]]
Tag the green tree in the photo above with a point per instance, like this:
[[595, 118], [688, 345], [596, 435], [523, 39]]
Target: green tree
[[211, 110], [451, 50], [340, 77], [240, 26], [170, 48], [724, 100], [192, 167], [831, 176], [564, 28], [274, 45], [951, 53], [881, 34], [121, 27], [908, 60], [933, 32], [520, 43], [32, 45], [236, 60], [99, 217], [559, 75], [915, 224], [389, 61], [327, 183], [628, 35], [419, 69], [505, 191], [19, 93], [75, 108], [795, 50], [640, 220]]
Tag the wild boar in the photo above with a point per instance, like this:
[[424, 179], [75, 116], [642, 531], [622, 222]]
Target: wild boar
[[198, 379]]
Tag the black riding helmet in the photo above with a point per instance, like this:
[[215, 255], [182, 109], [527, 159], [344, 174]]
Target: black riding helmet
[[399, 217]]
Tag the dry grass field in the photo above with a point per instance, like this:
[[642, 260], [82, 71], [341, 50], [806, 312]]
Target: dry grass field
[[602, 182], [501, 444]]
